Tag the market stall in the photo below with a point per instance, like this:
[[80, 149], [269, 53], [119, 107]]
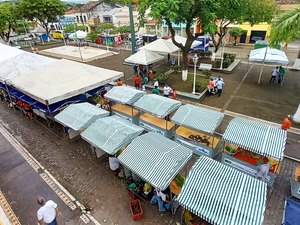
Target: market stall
[[77, 117], [155, 110], [250, 145], [156, 160], [125, 97], [110, 134], [196, 129], [220, 195]]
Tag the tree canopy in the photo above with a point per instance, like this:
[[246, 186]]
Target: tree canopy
[[42, 11], [235, 33], [70, 28]]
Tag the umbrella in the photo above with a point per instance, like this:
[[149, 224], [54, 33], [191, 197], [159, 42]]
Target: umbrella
[[144, 57], [161, 46], [78, 35]]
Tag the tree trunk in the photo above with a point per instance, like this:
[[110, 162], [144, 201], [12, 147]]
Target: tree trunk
[[185, 54]]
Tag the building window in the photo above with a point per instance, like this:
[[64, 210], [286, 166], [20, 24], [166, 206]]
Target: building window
[[107, 19], [84, 18], [77, 18]]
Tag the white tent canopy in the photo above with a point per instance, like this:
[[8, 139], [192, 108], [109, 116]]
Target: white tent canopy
[[63, 79], [268, 55], [296, 116], [182, 40], [22, 63], [161, 46], [38, 30], [8, 52], [79, 34], [144, 57]]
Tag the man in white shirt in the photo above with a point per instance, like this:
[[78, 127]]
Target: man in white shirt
[[167, 90], [159, 198], [156, 84], [275, 73], [47, 213], [114, 164], [219, 85]]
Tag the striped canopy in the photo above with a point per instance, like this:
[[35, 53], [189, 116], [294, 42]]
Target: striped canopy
[[222, 195], [155, 159], [157, 105], [256, 137], [80, 116], [198, 118], [124, 94], [111, 133]]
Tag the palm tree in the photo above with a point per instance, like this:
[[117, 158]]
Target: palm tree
[[286, 27]]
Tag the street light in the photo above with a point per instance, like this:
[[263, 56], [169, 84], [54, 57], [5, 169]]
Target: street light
[[195, 60]]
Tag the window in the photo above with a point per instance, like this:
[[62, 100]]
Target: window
[[107, 19], [84, 18], [77, 18]]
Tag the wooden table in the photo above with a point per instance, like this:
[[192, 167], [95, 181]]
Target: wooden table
[[159, 122], [125, 109]]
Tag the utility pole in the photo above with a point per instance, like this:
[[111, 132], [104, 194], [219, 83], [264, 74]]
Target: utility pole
[[132, 32]]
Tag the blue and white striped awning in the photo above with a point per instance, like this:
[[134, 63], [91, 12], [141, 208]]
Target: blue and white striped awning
[[124, 94], [111, 133], [222, 195], [80, 116], [256, 137], [198, 118], [155, 158], [157, 105]]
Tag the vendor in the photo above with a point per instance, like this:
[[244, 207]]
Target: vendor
[[114, 164], [161, 199]]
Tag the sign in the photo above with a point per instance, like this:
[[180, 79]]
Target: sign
[[122, 116], [151, 128], [196, 148]]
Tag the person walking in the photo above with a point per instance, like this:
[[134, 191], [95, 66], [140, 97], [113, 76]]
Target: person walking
[[274, 74], [48, 212], [173, 62], [156, 84], [155, 91], [137, 81], [287, 123], [220, 83], [166, 91], [281, 74], [174, 94], [119, 82]]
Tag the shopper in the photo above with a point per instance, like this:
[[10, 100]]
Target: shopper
[[275, 73], [114, 164], [119, 83], [156, 84], [155, 91], [48, 212], [167, 90], [137, 81], [220, 83], [174, 94], [287, 122], [281, 74]]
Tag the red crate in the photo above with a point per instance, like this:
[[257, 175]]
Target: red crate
[[136, 210]]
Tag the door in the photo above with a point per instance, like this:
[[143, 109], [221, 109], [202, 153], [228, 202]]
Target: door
[[243, 37], [256, 36]]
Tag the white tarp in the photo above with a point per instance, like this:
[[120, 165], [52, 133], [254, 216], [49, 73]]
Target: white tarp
[[144, 57], [296, 116], [268, 55], [161, 46], [7, 52], [181, 40], [23, 63], [63, 79], [78, 35]]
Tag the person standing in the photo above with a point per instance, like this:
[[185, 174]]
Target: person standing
[[274, 74], [48, 212], [166, 91], [211, 86], [137, 81], [155, 91], [220, 83], [174, 94], [135, 69], [287, 123], [114, 164], [169, 57], [156, 84], [173, 62], [119, 83], [281, 74]]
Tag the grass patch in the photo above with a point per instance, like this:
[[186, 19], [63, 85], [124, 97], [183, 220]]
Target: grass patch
[[175, 81]]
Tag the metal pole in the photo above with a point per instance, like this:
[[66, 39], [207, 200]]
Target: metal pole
[[262, 67], [132, 32], [80, 50], [194, 83]]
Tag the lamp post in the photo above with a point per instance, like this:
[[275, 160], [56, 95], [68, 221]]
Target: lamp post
[[195, 60]]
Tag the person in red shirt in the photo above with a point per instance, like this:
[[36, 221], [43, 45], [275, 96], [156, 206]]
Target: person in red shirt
[[287, 123], [137, 82], [119, 83], [174, 94]]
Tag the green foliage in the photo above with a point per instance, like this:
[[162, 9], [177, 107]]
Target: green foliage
[[21, 26], [42, 11], [9, 14], [286, 26], [162, 78], [124, 29], [104, 27], [227, 60], [70, 28], [92, 36], [207, 73], [236, 32]]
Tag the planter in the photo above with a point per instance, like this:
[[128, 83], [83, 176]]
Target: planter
[[136, 210]]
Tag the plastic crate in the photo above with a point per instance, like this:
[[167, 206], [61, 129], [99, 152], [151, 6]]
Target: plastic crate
[[136, 210]]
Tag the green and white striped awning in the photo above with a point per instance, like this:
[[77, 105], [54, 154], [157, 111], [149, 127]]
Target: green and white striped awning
[[157, 105], [198, 118], [79, 116], [222, 195], [256, 137], [111, 133], [155, 158], [124, 94]]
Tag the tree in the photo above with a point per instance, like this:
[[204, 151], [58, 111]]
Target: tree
[[42, 11], [22, 26], [286, 27], [235, 33], [9, 14], [180, 11], [124, 29], [70, 28], [92, 36], [239, 11], [104, 27]]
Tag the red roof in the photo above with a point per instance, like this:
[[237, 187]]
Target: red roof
[[71, 11]]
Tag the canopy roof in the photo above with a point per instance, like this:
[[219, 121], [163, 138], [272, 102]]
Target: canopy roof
[[256, 137], [273, 56], [8, 52], [182, 40], [39, 30], [111, 133], [161, 46], [144, 57], [155, 158], [80, 116], [63, 79], [222, 195], [22, 63], [124, 94], [198, 118], [157, 105]]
